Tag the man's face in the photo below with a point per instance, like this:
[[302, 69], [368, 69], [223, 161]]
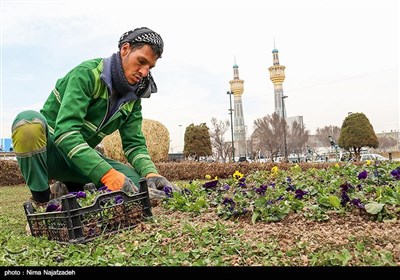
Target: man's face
[[137, 63]]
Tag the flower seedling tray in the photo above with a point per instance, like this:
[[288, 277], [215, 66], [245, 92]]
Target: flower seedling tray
[[109, 213]]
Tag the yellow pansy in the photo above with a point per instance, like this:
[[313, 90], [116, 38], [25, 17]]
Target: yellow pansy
[[275, 169], [208, 177], [237, 175], [368, 162]]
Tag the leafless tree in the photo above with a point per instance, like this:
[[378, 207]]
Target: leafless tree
[[386, 142], [297, 138], [218, 129], [322, 134], [268, 134]]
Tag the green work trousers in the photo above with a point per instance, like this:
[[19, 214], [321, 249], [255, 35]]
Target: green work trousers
[[40, 160]]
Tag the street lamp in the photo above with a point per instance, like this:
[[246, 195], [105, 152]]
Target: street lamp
[[284, 125], [180, 136], [333, 144], [231, 113]]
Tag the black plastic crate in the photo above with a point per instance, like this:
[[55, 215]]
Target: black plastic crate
[[75, 224]]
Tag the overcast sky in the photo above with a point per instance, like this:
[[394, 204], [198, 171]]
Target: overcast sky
[[340, 56]]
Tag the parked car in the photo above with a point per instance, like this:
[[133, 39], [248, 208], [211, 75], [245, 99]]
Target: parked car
[[244, 159], [365, 157]]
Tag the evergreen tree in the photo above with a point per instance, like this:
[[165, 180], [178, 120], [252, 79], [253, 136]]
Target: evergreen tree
[[197, 141], [357, 132]]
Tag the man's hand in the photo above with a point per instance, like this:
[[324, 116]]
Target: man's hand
[[115, 180], [159, 182], [129, 186]]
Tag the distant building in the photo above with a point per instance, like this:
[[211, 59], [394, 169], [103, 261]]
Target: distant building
[[6, 145], [291, 120]]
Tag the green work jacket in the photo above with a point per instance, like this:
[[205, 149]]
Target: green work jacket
[[76, 110]]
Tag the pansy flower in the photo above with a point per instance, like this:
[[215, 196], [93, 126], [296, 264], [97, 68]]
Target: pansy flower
[[79, 194], [242, 182], [346, 187], [274, 169], [229, 202], [357, 202], [119, 199], [396, 173], [210, 184], [261, 189], [345, 198], [300, 193], [168, 191], [103, 188], [237, 175], [53, 206], [290, 187], [225, 187], [363, 175]]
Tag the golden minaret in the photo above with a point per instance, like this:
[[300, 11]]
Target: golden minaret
[[239, 127], [277, 76]]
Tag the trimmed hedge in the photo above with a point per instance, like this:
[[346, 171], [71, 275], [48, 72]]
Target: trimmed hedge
[[185, 170]]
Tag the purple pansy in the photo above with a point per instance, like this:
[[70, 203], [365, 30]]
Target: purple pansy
[[210, 184], [300, 193], [104, 189], [225, 187], [346, 187], [53, 206], [363, 175], [396, 173], [229, 202], [261, 189], [290, 187], [242, 182], [357, 202], [119, 199], [168, 191], [79, 194], [345, 198]]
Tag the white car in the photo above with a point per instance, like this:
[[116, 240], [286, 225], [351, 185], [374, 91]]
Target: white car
[[365, 157]]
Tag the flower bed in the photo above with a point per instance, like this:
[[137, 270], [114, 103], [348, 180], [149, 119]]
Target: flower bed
[[268, 196]]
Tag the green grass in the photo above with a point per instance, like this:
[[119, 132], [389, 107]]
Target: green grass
[[173, 240]]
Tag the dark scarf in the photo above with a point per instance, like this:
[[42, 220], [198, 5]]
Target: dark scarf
[[119, 82], [143, 89]]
